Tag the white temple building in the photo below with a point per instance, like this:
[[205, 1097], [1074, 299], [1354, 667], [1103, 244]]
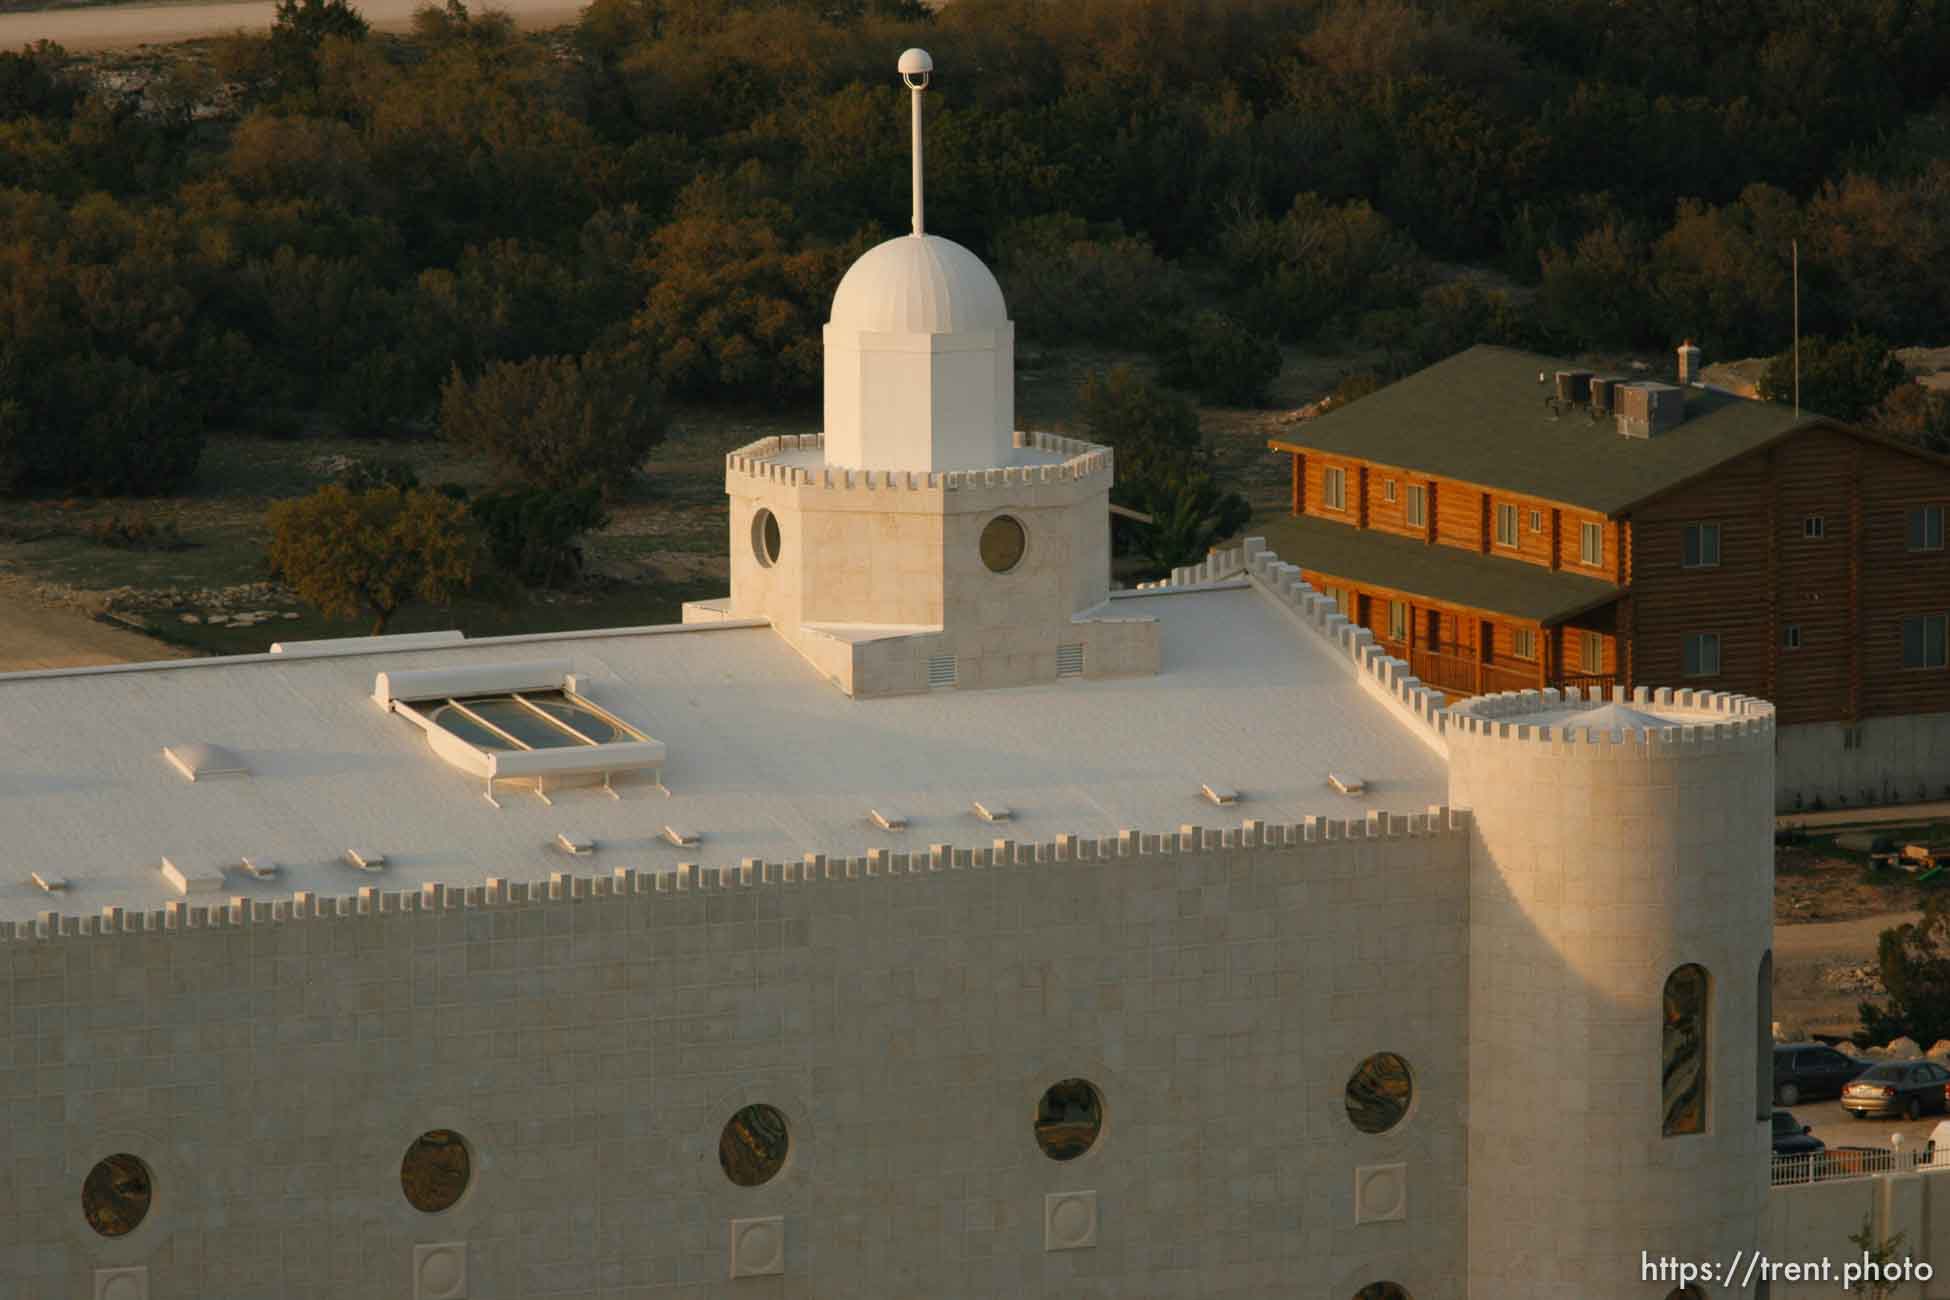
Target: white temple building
[[923, 919]]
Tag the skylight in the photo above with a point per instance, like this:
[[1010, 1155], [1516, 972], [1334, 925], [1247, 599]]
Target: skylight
[[523, 722]]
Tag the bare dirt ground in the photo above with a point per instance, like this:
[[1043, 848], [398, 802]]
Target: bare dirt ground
[[121, 26], [34, 635]]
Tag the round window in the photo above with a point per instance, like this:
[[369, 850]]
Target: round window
[[1383, 1291], [1378, 1093], [1069, 1118], [753, 1146], [116, 1194], [765, 537], [1003, 543], [436, 1171]]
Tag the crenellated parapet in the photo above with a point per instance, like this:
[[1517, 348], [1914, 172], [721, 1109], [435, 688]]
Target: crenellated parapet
[[773, 460], [1661, 719], [560, 887]]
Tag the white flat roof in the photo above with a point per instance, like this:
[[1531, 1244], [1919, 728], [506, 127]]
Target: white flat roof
[[766, 760]]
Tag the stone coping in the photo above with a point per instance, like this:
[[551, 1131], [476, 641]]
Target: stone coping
[[761, 459]]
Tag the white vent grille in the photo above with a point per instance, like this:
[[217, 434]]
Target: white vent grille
[[1069, 660], [941, 672]]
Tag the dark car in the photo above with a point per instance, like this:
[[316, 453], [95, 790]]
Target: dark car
[[1906, 1088], [1809, 1070], [1792, 1137]]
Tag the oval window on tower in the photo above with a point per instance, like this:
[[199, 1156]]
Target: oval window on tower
[[754, 1144], [115, 1196], [765, 537], [1003, 542], [1379, 1092]]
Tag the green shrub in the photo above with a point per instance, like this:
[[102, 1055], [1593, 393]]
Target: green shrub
[[1220, 359], [533, 533]]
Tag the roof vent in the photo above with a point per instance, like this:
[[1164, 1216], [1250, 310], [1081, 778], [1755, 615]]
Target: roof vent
[[197, 760], [941, 672], [1069, 660], [259, 866], [887, 821], [683, 839], [52, 884], [190, 881], [1347, 784], [1219, 794], [574, 842], [991, 812], [366, 859], [1646, 408]]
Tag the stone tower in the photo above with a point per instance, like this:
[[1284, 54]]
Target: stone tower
[[1620, 1053]]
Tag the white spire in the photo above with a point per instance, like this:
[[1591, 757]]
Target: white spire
[[915, 67]]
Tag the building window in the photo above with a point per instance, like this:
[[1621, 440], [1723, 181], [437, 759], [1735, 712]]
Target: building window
[[1069, 1118], [1333, 488], [1591, 652], [1814, 526], [116, 1194], [1926, 528], [1397, 620], [1702, 655], [1764, 1039], [1379, 1092], [1002, 543], [765, 538], [435, 1171], [753, 1145], [1591, 544], [1388, 489], [1416, 508], [1506, 525], [1791, 637], [1684, 1072], [1702, 547], [1923, 641], [1523, 642]]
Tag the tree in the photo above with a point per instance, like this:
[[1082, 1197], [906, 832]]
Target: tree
[[1153, 432], [1917, 415], [1915, 964], [534, 533], [1189, 518], [1220, 359], [1319, 261], [558, 423], [301, 27], [1066, 284], [348, 553], [1845, 379]]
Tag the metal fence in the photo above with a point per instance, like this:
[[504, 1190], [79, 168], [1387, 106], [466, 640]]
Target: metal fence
[[1857, 1162]]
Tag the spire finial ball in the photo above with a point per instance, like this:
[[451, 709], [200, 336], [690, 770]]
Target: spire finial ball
[[915, 66]]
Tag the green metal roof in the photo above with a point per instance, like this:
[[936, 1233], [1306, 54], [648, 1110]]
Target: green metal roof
[[1442, 573], [1480, 417]]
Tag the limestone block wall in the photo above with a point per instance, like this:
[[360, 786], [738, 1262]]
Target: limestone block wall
[[589, 1037], [1601, 863], [902, 551], [1876, 761]]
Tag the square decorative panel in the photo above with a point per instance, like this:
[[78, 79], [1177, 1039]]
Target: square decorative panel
[[758, 1247], [1381, 1193], [1070, 1221], [122, 1283], [440, 1271]]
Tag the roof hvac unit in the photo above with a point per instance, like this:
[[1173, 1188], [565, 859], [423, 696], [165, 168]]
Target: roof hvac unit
[[1574, 386], [1602, 389], [1646, 408]]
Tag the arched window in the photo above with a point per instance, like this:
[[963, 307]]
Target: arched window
[[1764, 1038], [1689, 993]]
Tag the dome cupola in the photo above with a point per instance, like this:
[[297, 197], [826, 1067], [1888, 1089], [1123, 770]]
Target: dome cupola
[[920, 351]]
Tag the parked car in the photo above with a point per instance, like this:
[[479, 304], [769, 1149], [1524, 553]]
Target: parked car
[[1806, 1071], [1792, 1137], [1906, 1088]]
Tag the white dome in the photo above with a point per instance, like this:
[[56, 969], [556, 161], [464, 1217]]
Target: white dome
[[919, 284]]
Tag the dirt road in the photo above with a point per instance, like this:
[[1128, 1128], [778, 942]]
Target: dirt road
[[1803, 952], [32, 635], [119, 26]]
